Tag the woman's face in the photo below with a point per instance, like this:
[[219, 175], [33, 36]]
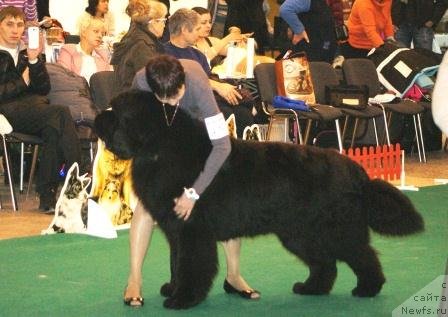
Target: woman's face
[[156, 26], [102, 7], [205, 21], [93, 35]]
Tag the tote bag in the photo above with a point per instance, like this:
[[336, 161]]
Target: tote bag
[[294, 78]]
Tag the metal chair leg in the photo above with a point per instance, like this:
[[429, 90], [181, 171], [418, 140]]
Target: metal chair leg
[[376, 132], [307, 131], [8, 172], [386, 126], [32, 170], [299, 131], [417, 139], [338, 133], [354, 132], [22, 162], [345, 128], [268, 133], [421, 137]]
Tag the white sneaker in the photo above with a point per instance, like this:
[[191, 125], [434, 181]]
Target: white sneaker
[[338, 61], [5, 127]]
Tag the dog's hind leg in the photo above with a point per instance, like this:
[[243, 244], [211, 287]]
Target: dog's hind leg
[[367, 267], [195, 268], [322, 267]]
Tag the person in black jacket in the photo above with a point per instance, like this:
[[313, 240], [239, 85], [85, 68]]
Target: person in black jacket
[[248, 15], [141, 42], [24, 84], [415, 21], [43, 10]]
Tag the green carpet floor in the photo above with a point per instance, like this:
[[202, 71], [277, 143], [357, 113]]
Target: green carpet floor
[[76, 275]]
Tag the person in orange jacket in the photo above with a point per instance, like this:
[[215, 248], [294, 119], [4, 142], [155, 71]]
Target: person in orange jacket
[[369, 26]]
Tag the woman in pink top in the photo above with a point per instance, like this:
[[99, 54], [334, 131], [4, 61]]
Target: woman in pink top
[[86, 58]]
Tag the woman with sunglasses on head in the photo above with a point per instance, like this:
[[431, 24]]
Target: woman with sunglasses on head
[[215, 49], [141, 42]]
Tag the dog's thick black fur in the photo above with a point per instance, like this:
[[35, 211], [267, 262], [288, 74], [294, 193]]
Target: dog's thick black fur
[[319, 203]]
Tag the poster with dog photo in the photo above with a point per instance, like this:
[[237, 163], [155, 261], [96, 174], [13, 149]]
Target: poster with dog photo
[[112, 186]]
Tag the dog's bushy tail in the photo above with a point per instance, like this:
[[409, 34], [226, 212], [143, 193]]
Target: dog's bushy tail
[[390, 212]]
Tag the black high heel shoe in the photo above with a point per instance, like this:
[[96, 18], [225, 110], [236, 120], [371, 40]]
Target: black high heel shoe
[[133, 301], [246, 294]]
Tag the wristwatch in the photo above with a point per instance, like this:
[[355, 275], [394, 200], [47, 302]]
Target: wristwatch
[[191, 193]]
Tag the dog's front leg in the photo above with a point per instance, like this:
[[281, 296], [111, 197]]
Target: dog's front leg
[[195, 267]]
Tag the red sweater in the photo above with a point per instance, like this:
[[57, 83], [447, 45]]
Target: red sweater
[[370, 22]]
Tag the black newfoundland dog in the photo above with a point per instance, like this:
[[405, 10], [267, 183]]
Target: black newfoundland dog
[[319, 203]]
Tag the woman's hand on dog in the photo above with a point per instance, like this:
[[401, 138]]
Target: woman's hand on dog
[[183, 206]]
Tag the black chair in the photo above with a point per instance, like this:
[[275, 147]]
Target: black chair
[[15, 137], [102, 88], [72, 39], [362, 71], [267, 88]]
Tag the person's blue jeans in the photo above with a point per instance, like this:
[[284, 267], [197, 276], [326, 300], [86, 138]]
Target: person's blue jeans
[[422, 37]]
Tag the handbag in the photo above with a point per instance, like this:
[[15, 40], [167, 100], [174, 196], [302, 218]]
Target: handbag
[[294, 78], [347, 96], [341, 32]]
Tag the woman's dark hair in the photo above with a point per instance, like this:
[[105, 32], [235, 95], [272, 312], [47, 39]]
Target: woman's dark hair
[[91, 8], [201, 10], [165, 75]]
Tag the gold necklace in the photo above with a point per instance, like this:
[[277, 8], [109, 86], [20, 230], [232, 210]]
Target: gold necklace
[[169, 123]]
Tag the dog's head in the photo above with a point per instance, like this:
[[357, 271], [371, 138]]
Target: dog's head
[[135, 120]]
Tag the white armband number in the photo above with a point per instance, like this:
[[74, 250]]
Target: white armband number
[[216, 127]]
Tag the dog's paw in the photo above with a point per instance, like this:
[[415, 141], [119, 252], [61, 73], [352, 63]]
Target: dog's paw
[[304, 289], [366, 291], [167, 289], [47, 231]]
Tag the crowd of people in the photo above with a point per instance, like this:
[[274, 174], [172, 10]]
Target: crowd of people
[[173, 58]]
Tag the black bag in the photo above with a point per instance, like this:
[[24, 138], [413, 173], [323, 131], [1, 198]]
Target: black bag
[[347, 96], [341, 33]]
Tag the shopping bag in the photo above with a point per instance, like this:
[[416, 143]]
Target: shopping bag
[[294, 78]]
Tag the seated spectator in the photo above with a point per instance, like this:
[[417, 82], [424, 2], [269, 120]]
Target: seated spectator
[[100, 10], [86, 57], [24, 85], [141, 42], [369, 25], [212, 47], [28, 7], [184, 32]]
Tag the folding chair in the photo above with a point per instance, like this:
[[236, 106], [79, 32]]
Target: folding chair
[[102, 89], [15, 137], [267, 87], [362, 71]]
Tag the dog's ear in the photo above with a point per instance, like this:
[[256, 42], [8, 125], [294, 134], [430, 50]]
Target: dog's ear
[[106, 123]]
